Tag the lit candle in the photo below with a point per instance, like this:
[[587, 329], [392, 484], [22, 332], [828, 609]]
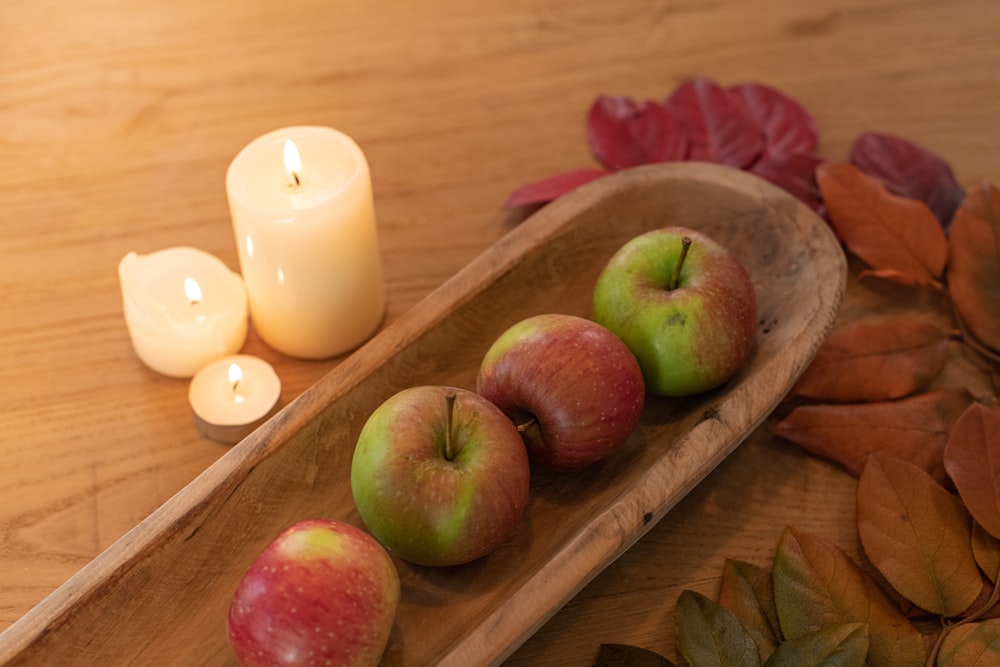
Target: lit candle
[[183, 308], [302, 210], [232, 396]]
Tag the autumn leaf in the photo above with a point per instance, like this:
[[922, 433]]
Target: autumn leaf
[[875, 362], [908, 170], [623, 133], [833, 646], [986, 549], [789, 130], [972, 460], [622, 655], [708, 634], [549, 188], [796, 174], [917, 535], [974, 264], [817, 586], [719, 126], [971, 645], [914, 428], [746, 591], [896, 236]]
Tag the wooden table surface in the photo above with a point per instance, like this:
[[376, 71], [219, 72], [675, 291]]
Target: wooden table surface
[[119, 118]]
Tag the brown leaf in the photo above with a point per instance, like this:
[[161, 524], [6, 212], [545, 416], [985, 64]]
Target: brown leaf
[[974, 264], [710, 635], [971, 645], [972, 460], [875, 362], [817, 585], [914, 428], [918, 536], [746, 591], [898, 237], [986, 549]]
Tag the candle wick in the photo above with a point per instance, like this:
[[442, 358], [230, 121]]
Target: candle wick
[[295, 177]]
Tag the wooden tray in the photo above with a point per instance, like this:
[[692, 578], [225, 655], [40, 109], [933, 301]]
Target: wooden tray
[[159, 595]]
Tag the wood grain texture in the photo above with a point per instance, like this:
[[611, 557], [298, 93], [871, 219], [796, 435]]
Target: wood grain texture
[[298, 465], [118, 120]]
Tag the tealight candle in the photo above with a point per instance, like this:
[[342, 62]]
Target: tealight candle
[[183, 308], [232, 396], [304, 220]]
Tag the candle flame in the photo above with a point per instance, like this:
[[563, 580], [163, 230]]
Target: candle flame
[[192, 290], [293, 163], [235, 375]]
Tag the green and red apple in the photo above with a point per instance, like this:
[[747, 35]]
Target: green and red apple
[[440, 475], [684, 304], [322, 592], [573, 387]]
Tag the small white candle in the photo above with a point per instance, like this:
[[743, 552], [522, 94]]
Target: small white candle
[[234, 395], [304, 220], [183, 308]]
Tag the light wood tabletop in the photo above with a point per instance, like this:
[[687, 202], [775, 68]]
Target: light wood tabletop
[[119, 119]]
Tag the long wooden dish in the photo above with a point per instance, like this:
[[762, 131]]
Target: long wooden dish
[[159, 595]]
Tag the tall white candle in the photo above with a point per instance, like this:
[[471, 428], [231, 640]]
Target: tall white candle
[[183, 308], [302, 210]]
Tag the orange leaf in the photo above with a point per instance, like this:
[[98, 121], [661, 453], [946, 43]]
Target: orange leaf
[[918, 536], [974, 264], [972, 460], [746, 591], [898, 237], [875, 362], [915, 429]]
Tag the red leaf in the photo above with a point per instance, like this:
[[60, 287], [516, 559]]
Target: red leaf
[[914, 429], [875, 362], [918, 536], [909, 170], [718, 124], [622, 133], [974, 264], [972, 459], [890, 233], [796, 174], [548, 189], [789, 130]]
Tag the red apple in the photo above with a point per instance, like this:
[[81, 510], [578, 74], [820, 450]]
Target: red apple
[[685, 306], [321, 593], [574, 388], [439, 475]]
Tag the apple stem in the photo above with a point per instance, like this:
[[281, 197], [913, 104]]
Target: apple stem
[[676, 278], [521, 428], [449, 400]]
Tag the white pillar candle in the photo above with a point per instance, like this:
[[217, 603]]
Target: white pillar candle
[[232, 396], [302, 210], [183, 308]]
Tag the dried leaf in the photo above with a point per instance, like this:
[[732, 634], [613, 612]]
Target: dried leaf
[[708, 634], [875, 362], [986, 549], [789, 130], [971, 645], [622, 133], [549, 188], [914, 428], [908, 170], [718, 124], [974, 264], [746, 591], [817, 585], [972, 460], [918, 536], [796, 174], [886, 231], [622, 655], [833, 646]]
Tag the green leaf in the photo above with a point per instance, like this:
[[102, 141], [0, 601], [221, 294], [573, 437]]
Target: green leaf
[[709, 635], [623, 655], [971, 645], [918, 536], [817, 585], [986, 549], [972, 460], [835, 646], [746, 591]]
